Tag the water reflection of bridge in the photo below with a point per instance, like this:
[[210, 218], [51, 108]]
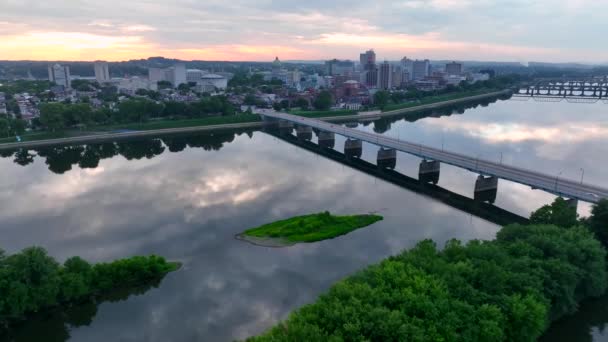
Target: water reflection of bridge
[[576, 91], [477, 207]]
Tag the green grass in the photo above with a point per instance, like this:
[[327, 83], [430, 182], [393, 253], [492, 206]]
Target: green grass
[[439, 98], [33, 136], [322, 114], [163, 124], [312, 228]]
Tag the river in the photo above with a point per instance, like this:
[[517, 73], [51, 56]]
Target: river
[[185, 197]]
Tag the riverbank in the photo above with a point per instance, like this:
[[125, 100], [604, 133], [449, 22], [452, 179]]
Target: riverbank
[[210, 124]]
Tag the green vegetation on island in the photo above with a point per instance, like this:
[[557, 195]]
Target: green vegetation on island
[[308, 228], [508, 289], [32, 281]]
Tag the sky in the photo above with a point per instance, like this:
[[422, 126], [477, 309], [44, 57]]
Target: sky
[[259, 30]]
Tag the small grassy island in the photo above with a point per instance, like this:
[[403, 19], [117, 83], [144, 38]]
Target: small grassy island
[[32, 281], [306, 228]]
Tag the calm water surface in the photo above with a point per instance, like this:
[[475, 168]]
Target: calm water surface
[[186, 197]]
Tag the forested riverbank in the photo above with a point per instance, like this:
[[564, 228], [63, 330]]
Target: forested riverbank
[[32, 281]]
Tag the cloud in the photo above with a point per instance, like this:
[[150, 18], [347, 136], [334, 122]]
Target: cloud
[[138, 28], [454, 29]]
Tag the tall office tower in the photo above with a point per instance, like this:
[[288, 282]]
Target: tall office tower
[[102, 72], [453, 68], [421, 69], [371, 77], [179, 75], [385, 76], [368, 60], [408, 68], [397, 76], [60, 75]]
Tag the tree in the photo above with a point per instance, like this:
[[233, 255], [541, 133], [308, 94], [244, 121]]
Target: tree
[[17, 126], [323, 101], [559, 213], [598, 221], [51, 116], [250, 100], [302, 103], [4, 127], [285, 104], [381, 98]]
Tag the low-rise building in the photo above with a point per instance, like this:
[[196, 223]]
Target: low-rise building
[[2, 104], [130, 85], [211, 83]]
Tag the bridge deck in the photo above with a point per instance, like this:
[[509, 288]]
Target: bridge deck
[[536, 180]]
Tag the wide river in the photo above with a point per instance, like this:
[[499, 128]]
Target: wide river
[[185, 197]]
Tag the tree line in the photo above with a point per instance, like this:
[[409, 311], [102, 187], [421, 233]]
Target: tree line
[[61, 159], [507, 289], [56, 116], [31, 280], [383, 98]]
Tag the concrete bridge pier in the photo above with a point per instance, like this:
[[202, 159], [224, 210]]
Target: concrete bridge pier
[[285, 127], [573, 203], [387, 158], [353, 148], [326, 139], [304, 132], [486, 189], [429, 171], [270, 122]]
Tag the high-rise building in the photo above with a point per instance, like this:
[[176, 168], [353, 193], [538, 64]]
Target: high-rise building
[[371, 77], [397, 76], [421, 69], [408, 68], [60, 75], [385, 76], [175, 74], [368, 60], [179, 74], [102, 72], [342, 68], [453, 68]]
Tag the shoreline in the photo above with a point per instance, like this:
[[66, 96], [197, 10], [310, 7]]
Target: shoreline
[[264, 242], [103, 137]]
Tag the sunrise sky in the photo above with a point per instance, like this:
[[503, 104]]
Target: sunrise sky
[[259, 30]]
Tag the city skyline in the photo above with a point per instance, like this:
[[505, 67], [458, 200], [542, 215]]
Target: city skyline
[[518, 31]]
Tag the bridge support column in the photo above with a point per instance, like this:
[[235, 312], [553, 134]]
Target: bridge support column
[[486, 189], [573, 203], [429, 171], [285, 127], [304, 132], [353, 148], [387, 158], [270, 122], [326, 139]]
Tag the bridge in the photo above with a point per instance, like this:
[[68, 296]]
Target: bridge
[[579, 91], [489, 171], [472, 206]]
